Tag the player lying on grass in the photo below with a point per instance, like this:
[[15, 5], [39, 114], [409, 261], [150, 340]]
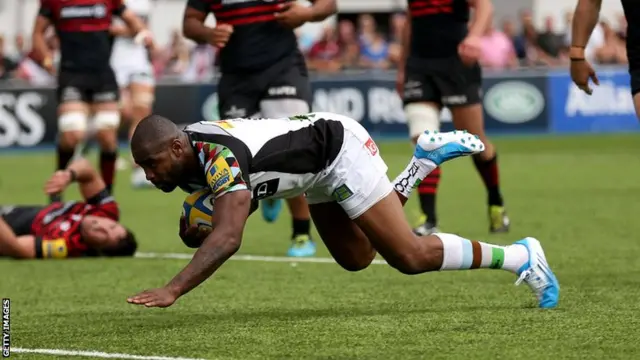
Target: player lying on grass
[[332, 158], [67, 229]]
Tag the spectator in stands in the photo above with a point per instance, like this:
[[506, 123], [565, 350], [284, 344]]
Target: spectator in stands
[[622, 27], [396, 24], [548, 40], [200, 66], [348, 41], [366, 29], [374, 54], [7, 66], [32, 72], [613, 50], [21, 49], [527, 44], [324, 55], [497, 50], [174, 59]]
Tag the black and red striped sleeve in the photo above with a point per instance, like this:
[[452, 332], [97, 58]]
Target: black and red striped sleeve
[[200, 5], [46, 9], [117, 7]]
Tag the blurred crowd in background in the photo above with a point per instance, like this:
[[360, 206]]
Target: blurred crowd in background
[[364, 42]]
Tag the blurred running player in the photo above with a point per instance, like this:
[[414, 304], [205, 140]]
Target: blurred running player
[[263, 72], [132, 65], [69, 229], [585, 19], [439, 68], [86, 83], [333, 160]]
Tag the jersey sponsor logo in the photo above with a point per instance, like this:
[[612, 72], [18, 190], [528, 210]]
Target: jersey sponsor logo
[[21, 122], [371, 147], [454, 100], [54, 249], [266, 189], [97, 11], [342, 193], [514, 102], [224, 124], [219, 175]]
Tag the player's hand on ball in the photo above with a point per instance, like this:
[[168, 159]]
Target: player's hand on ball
[[220, 35], [161, 297], [58, 182], [469, 50], [581, 72], [293, 14]]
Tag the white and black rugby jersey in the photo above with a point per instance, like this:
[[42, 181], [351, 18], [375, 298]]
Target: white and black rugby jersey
[[270, 157]]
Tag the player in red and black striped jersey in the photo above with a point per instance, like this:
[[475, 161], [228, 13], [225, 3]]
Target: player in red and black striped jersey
[[86, 83], [67, 229], [263, 72]]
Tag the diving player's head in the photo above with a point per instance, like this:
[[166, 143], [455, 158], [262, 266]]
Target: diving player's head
[[107, 237], [160, 148]]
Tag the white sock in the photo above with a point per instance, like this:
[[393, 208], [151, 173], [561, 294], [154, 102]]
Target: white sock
[[463, 254], [412, 175]]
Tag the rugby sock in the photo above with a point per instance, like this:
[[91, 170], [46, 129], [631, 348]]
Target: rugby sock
[[301, 227], [427, 191], [412, 175], [64, 157], [488, 170], [108, 167], [463, 254]]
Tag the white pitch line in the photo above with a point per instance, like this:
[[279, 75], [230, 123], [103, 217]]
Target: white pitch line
[[96, 354], [283, 259]]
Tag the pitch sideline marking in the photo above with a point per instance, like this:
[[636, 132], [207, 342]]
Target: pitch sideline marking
[[283, 259], [96, 354]]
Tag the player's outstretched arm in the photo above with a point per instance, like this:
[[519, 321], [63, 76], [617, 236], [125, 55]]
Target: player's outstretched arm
[[17, 247], [81, 171], [232, 210]]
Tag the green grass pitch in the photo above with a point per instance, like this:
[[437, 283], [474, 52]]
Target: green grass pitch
[[579, 195]]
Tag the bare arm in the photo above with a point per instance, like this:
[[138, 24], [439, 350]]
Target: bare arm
[[482, 16], [17, 247], [134, 23], [585, 19], [322, 9], [405, 43], [38, 39], [193, 23], [121, 30], [232, 210], [89, 181]]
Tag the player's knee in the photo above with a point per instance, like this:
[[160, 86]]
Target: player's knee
[[421, 117], [106, 119], [359, 261], [142, 100], [72, 121]]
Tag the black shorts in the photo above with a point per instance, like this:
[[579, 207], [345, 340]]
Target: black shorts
[[447, 82], [90, 88], [239, 95], [20, 218]]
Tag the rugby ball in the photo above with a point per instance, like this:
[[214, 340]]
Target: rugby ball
[[197, 208]]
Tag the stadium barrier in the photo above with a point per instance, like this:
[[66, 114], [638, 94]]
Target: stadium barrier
[[521, 102]]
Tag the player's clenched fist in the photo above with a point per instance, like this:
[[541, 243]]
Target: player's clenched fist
[[220, 35], [58, 182], [194, 235]]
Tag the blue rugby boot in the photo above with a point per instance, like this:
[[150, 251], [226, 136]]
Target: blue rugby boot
[[271, 209], [538, 275], [440, 147], [302, 246]]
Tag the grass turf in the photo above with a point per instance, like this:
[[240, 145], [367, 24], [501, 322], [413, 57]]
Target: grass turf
[[579, 195]]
